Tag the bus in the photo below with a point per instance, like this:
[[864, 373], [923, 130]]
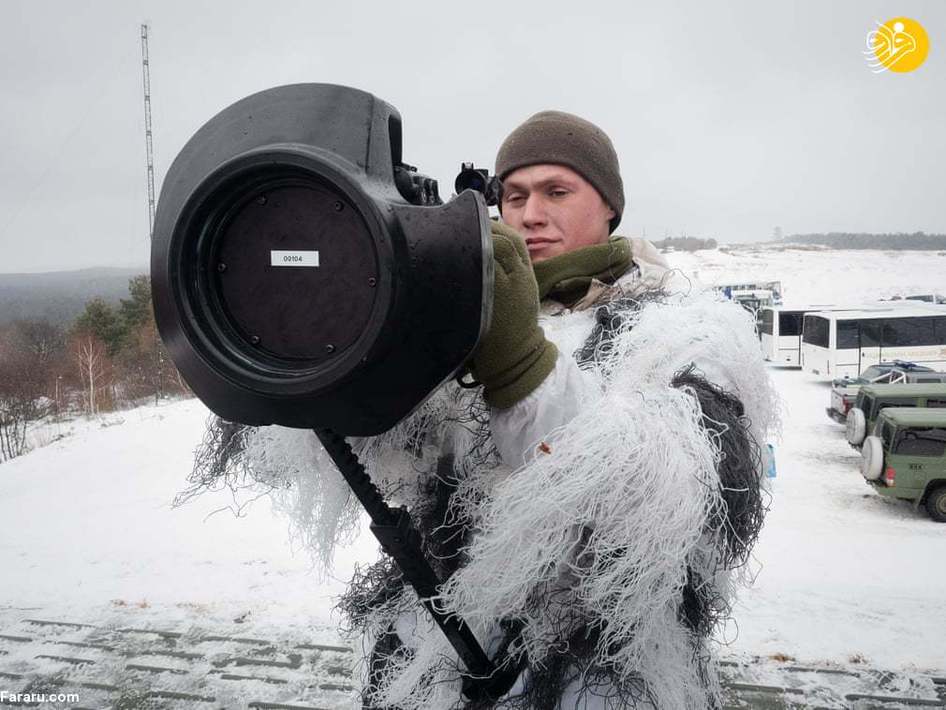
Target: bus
[[753, 299], [780, 328], [775, 287], [844, 343], [780, 332]]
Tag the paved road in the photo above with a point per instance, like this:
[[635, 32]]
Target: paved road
[[128, 668]]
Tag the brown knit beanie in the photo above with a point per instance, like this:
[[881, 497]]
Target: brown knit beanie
[[561, 138]]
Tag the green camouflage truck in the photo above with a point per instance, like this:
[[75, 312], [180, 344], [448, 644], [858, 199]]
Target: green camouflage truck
[[905, 457], [872, 399]]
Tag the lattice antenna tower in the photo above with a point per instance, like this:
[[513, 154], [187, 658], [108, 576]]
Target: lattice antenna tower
[[146, 80]]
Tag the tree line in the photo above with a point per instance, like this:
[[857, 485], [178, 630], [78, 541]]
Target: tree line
[[686, 243], [109, 357], [859, 240]]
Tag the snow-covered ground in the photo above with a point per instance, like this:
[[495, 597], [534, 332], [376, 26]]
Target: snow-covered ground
[[812, 275], [87, 530], [87, 525], [843, 573]]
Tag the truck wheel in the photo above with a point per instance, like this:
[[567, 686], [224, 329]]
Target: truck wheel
[[856, 426], [872, 458], [936, 504]]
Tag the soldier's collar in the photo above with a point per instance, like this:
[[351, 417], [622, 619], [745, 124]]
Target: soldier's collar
[[566, 278]]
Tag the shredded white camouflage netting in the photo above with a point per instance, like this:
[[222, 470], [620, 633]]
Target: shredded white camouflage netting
[[292, 468], [605, 520], [307, 488]]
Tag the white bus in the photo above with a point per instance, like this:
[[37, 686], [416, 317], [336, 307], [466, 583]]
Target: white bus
[[780, 332], [840, 343], [780, 328], [753, 299], [729, 289]]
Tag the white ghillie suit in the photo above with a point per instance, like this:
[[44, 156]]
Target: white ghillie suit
[[607, 513]]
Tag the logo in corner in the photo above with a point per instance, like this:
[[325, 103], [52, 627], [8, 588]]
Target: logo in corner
[[898, 45]]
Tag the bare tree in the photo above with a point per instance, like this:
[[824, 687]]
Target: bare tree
[[15, 402], [27, 349], [144, 368], [90, 356], [13, 423]]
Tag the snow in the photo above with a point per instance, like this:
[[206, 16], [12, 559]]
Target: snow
[[87, 530], [813, 275], [87, 526], [842, 573]]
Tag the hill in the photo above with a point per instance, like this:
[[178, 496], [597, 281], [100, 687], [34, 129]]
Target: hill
[[60, 296], [917, 241]]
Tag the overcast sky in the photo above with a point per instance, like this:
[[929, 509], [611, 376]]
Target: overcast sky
[[729, 118]]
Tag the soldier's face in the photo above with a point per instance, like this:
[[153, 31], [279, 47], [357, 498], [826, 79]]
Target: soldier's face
[[555, 209]]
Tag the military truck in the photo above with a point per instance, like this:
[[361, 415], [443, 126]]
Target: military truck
[[872, 399], [844, 390], [905, 457]]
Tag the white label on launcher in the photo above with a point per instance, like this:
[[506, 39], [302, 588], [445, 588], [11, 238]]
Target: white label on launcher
[[294, 258]]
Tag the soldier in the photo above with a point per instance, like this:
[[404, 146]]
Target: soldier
[[592, 502], [592, 498]]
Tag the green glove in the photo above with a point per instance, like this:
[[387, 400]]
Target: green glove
[[513, 358]]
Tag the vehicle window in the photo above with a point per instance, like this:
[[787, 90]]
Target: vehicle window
[[936, 403], [925, 331], [883, 404], [886, 435], [848, 334], [890, 334], [928, 380], [767, 321], [906, 332], [867, 406], [922, 442], [873, 371], [789, 323], [939, 327], [870, 333], [815, 331]]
